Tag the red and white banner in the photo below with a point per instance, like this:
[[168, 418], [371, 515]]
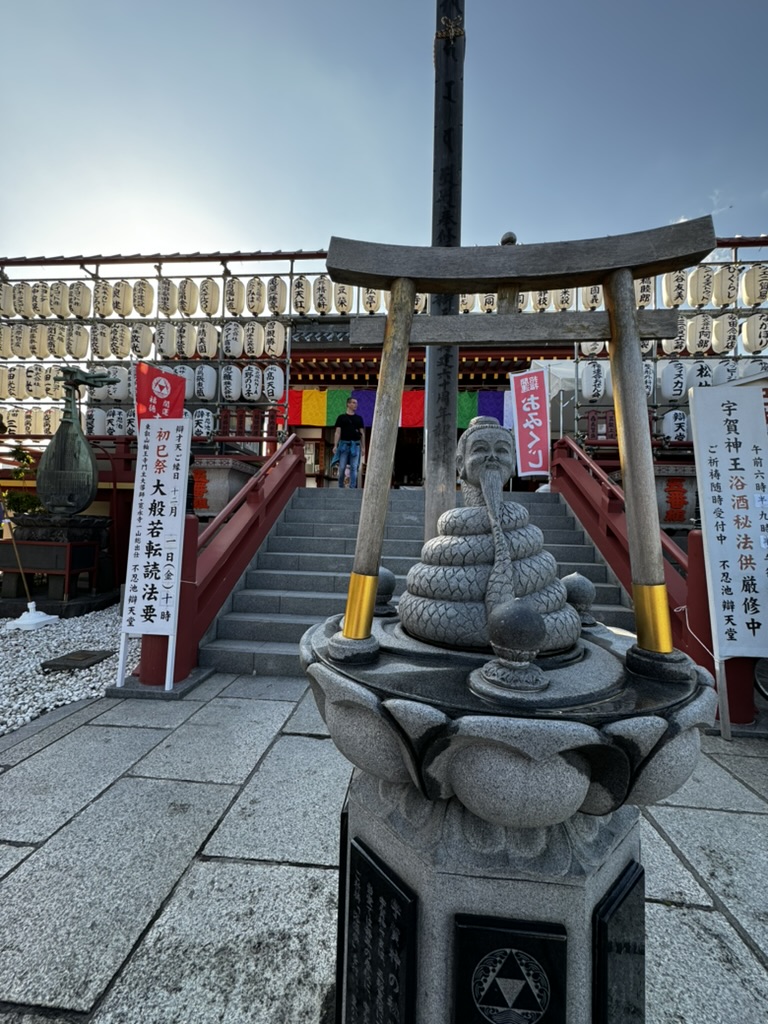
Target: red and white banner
[[159, 395], [530, 416]]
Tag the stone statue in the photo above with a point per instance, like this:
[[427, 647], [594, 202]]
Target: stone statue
[[487, 557]]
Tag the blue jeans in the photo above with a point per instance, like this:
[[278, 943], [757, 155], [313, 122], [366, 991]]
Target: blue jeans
[[349, 455]]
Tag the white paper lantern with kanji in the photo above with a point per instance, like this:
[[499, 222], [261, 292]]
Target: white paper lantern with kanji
[[54, 384], [143, 297], [95, 421], [33, 421], [698, 333], [592, 296], [232, 340], [643, 292], [102, 298], [274, 382], [253, 380], [467, 302], [17, 381], [20, 341], [755, 366], [592, 379], [119, 340], [274, 339], [700, 373], [118, 392], [210, 296], [3, 387], [231, 383], [675, 425], [188, 375], [22, 299], [51, 421], [36, 380], [673, 381], [592, 348], [674, 288], [649, 377], [487, 302], [256, 296], [253, 343], [541, 300], [116, 423], [322, 294], [79, 299], [343, 298], [725, 285], [671, 346], [6, 300], [76, 341], [370, 299], [165, 340], [189, 295], [207, 341], [754, 285], [41, 303], [562, 298], [647, 346], [301, 295], [277, 295], [130, 421], [234, 295], [38, 341], [725, 332], [167, 296], [5, 342], [141, 340], [56, 340], [202, 422], [122, 298], [100, 341], [725, 372], [206, 380], [58, 299], [754, 332], [186, 340], [700, 283]]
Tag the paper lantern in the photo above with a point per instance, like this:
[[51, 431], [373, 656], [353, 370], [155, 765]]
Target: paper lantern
[[725, 285], [20, 341], [301, 295], [700, 283], [420, 303], [592, 348], [165, 340], [322, 294], [274, 382], [116, 423], [3, 386], [370, 299], [76, 341], [467, 302], [643, 292], [522, 301], [33, 422], [231, 383], [675, 425], [671, 346], [274, 339], [234, 295], [252, 383], [210, 296], [754, 285], [673, 381], [206, 379], [725, 332], [118, 392], [167, 296], [186, 340], [487, 302], [608, 382], [647, 346], [202, 423], [6, 300], [58, 299], [207, 341], [38, 341], [277, 295], [700, 373], [143, 297], [540, 300], [51, 421], [102, 298], [698, 333], [22, 299], [754, 332], [649, 377], [253, 344], [100, 341], [188, 375], [592, 296], [41, 303], [122, 298], [95, 422], [725, 372], [14, 419], [674, 286], [343, 298], [562, 298], [56, 340], [120, 340], [79, 298], [256, 296], [232, 340], [5, 342], [130, 421], [54, 385], [189, 296], [17, 382], [141, 340], [754, 367]]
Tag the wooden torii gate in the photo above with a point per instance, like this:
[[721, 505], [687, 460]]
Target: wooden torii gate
[[613, 262]]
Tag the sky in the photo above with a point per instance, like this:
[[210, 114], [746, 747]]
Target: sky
[[265, 125]]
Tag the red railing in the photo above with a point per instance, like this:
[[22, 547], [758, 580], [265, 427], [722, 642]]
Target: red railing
[[214, 561]]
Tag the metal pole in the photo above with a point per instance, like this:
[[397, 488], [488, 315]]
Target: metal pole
[[442, 361]]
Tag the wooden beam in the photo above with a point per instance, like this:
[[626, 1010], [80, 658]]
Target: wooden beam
[[456, 269], [512, 329]]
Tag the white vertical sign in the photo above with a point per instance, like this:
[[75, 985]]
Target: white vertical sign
[[153, 575]]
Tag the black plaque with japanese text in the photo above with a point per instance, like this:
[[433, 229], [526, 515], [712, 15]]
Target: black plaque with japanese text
[[619, 951], [380, 943], [508, 970]]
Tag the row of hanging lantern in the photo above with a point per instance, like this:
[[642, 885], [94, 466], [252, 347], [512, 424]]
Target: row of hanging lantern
[[703, 333], [170, 340]]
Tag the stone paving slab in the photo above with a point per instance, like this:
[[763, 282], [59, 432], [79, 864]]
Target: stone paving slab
[[74, 909], [222, 742], [239, 944], [711, 786], [290, 809], [752, 771], [39, 795], [21, 743], [699, 971], [666, 879], [150, 714], [306, 720], [728, 851], [10, 856], [267, 688]]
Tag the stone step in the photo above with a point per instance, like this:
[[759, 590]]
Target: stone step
[[340, 546], [323, 562], [281, 628], [345, 529], [252, 657]]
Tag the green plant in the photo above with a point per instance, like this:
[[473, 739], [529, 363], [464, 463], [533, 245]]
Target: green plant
[[19, 502]]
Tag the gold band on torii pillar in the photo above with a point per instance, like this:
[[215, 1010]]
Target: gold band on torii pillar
[[361, 601], [652, 620]]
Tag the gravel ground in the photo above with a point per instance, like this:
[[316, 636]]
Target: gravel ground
[[27, 692]]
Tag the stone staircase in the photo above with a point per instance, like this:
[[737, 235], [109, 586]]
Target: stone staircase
[[301, 574]]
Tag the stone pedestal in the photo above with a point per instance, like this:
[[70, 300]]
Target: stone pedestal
[[224, 478]]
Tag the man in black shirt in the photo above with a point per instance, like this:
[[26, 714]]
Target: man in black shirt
[[349, 442]]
